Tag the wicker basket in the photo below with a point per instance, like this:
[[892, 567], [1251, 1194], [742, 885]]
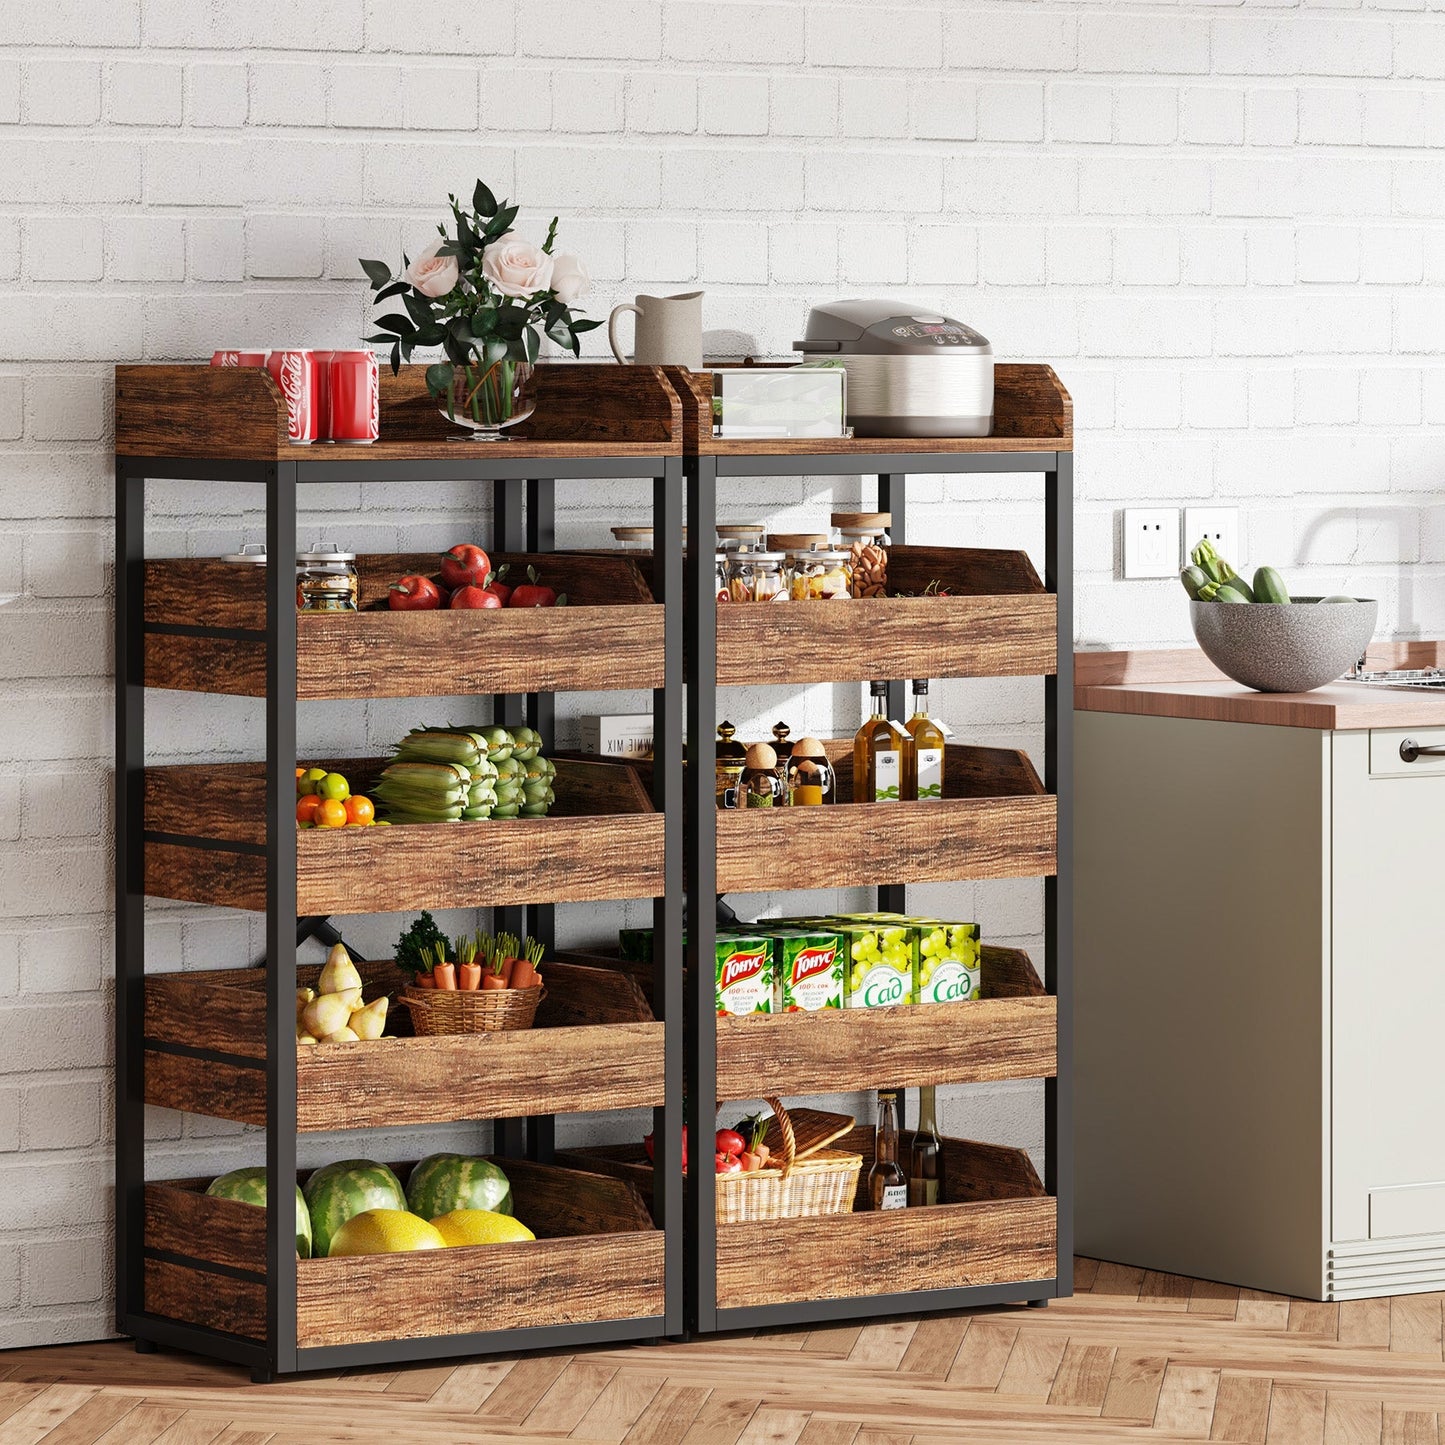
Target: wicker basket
[[471, 1011], [816, 1180]]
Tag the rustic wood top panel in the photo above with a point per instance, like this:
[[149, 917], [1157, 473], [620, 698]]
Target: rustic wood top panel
[[441, 865], [839, 1256], [237, 413], [610, 635], [472, 1289], [762, 849], [1032, 412], [395, 1082], [801, 642], [1008, 1036]]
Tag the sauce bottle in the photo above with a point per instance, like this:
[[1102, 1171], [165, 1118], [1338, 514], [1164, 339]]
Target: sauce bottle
[[924, 780]]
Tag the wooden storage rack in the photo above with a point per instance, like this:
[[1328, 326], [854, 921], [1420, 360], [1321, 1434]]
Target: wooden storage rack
[[1009, 1237], [219, 1277], [222, 1278]]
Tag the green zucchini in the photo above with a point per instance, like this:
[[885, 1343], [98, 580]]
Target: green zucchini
[[1269, 586], [1339, 598], [1193, 579], [1230, 593]]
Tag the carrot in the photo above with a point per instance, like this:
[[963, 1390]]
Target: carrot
[[470, 977], [523, 974], [425, 980], [493, 980], [445, 976]]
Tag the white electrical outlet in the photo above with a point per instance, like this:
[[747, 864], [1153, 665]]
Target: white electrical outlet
[[1220, 525], [1151, 541]]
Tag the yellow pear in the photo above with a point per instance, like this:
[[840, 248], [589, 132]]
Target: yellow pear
[[326, 1014], [305, 1039], [370, 1020], [303, 997], [339, 974], [341, 1036]]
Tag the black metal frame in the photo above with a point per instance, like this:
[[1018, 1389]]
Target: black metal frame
[[517, 479], [703, 473]]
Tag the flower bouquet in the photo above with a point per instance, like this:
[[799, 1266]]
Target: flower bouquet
[[486, 297]]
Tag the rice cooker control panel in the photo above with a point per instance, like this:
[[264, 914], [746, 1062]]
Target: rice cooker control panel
[[931, 331]]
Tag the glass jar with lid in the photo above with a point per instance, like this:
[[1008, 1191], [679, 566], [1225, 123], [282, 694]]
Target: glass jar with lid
[[799, 541], [326, 579], [731, 755], [633, 539], [756, 576], [759, 786], [733, 536], [252, 554], [850, 527], [720, 568], [810, 776], [820, 576]]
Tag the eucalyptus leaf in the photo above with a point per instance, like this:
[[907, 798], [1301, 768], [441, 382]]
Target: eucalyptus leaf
[[398, 324], [418, 307], [531, 344], [397, 288], [484, 203], [494, 350], [438, 377], [377, 272], [580, 326]]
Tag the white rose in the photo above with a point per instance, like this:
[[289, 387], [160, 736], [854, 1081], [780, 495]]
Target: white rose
[[571, 280], [516, 267], [431, 274]]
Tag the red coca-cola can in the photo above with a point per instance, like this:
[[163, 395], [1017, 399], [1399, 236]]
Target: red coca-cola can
[[354, 388], [301, 375], [238, 358]]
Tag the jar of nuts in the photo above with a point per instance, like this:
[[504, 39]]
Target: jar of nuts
[[756, 577], [865, 536]]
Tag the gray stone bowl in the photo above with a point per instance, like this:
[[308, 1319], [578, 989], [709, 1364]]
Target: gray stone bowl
[[1284, 647]]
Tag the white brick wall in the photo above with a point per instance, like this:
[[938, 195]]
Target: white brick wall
[[1224, 225]]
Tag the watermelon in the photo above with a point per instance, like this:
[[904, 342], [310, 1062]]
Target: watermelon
[[248, 1186], [444, 1182], [337, 1191]]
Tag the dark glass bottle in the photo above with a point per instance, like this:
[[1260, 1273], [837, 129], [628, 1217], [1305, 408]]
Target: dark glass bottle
[[925, 1157], [887, 1183]]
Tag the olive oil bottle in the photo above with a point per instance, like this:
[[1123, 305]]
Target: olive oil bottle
[[924, 779], [880, 754], [925, 1154]]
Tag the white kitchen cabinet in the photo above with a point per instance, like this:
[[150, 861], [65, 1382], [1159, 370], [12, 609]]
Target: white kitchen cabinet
[[1260, 1016]]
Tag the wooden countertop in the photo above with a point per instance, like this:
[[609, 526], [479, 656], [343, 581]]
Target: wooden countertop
[[1184, 683]]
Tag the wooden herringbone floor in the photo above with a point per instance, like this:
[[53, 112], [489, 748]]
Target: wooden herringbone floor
[[1133, 1356]]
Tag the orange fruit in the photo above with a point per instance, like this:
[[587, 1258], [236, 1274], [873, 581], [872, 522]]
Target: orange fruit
[[330, 813], [306, 808], [359, 809]]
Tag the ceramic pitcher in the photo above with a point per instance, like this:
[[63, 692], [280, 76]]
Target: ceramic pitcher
[[668, 330]]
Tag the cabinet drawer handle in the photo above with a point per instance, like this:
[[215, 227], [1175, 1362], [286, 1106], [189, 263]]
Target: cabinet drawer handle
[[1410, 750]]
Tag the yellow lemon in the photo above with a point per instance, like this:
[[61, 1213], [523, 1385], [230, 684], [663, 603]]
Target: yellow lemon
[[384, 1231], [479, 1226]]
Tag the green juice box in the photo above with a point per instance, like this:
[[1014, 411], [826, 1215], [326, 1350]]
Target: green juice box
[[808, 967], [744, 973], [635, 945], [882, 965], [949, 969]]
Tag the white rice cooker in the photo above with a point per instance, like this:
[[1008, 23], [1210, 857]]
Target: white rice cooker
[[911, 372]]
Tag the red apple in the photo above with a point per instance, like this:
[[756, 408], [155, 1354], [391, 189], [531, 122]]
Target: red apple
[[464, 565], [471, 596], [414, 594]]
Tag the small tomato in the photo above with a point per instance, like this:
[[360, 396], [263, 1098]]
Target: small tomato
[[464, 565], [414, 594]]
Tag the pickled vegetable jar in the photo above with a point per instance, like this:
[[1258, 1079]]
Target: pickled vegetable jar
[[820, 576], [757, 577]]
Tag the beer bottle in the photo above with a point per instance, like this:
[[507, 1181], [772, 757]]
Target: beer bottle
[[887, 1183]]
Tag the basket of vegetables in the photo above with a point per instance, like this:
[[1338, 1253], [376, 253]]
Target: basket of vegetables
[[781, 1167], [479, 984]]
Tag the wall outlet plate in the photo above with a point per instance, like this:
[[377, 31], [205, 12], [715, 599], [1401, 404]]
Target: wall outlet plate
[[1220, 525], [1151, 542]]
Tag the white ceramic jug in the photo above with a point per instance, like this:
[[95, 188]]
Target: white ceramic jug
[[668, 330]]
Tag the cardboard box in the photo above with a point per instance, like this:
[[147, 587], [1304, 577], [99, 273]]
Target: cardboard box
[[626, 735], [744, 979], [808, 967], [949, 970]]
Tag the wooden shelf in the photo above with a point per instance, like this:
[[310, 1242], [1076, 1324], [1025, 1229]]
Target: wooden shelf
[[610, 635], [1032, 413], [206, 844], [597, 1256], [595, 1045], [995, 821], [1000, 1228], [997, 622], [238, 414], [1008, 1033]]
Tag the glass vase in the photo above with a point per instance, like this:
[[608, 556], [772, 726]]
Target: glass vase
[[486, 399]]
